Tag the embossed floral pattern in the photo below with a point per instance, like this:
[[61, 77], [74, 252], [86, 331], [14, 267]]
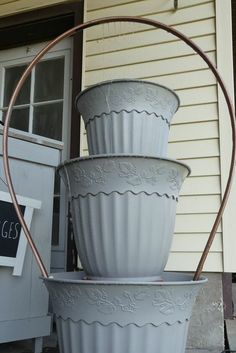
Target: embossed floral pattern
[[66, 296], [158, 98], [127, 301], [165, 302], [128, 171], [173, 178], [100, 298]]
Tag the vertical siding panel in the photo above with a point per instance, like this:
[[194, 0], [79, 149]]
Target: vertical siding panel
[[225, 67]]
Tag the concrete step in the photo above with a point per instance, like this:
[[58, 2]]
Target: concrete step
[[231, 333], [234, 297]]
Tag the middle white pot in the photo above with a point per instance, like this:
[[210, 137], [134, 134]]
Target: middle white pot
[[123, 212]]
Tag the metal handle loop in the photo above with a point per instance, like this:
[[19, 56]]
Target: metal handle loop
[[71, 32]]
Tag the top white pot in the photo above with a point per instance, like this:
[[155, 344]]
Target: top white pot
[[127, 116]]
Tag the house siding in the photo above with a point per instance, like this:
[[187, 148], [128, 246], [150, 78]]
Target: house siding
[[130, 50]]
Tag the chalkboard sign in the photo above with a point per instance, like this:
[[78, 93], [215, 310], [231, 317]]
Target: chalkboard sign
[[13, 242], [10, 229]]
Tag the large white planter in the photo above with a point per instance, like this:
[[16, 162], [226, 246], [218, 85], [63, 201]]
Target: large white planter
[[127, 116], [123, 212], [119, 317]]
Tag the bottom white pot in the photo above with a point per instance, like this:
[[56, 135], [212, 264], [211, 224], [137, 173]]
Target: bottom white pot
[[122, 317]]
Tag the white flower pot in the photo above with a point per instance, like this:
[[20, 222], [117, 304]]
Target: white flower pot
[[123, 213], [122, 317], [127, 116]]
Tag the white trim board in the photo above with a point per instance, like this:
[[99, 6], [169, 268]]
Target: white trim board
[[225, 67]]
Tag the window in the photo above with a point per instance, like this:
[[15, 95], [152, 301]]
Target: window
[[41, 104]]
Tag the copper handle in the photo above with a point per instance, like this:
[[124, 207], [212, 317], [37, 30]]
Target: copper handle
[[71, 32]]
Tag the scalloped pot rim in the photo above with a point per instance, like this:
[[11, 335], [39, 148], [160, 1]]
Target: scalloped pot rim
[[125, 80], [97, 156], [173, 279]]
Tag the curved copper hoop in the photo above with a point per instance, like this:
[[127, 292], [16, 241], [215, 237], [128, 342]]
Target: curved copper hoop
[[71, 32]]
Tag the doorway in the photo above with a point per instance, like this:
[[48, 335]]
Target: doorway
[[21, 37]]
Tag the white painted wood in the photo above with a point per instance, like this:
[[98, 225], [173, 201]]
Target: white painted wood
[[38, 345], [41, 154], [26, 201], [25, 315], [225, 67], [31, 152], [24, 328], [20, 255], [24, 55], [7, 261]]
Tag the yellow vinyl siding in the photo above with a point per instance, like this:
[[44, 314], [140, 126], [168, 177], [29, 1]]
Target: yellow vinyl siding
[[185, 80], [202, 185], [142, 38], [12, 7], [186, 14], [124, 50], [196, 204], [163, 5], [188, 261], [190, 131], [194, 149], [144, 70], [194, 223], [197, 113], [184, 242], [147, 53]]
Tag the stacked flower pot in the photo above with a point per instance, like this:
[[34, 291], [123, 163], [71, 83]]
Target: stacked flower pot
[[123, 201]]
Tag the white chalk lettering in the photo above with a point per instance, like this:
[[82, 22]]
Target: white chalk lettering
[[9, 230], [17, 231], [4, 232]]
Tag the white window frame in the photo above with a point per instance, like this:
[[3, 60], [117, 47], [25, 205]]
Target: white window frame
[[25, 55]]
